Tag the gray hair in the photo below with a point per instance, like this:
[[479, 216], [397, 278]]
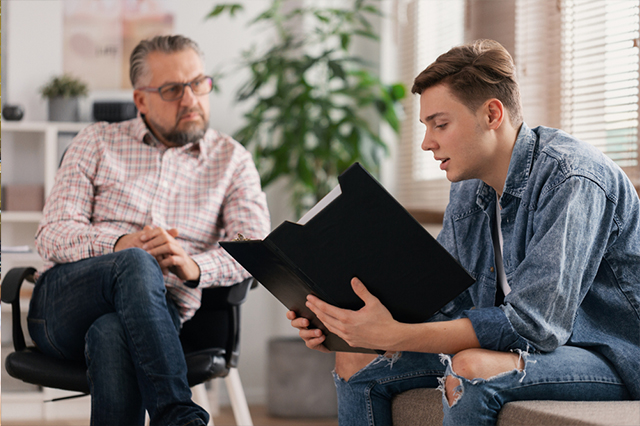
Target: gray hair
[[165, 44]]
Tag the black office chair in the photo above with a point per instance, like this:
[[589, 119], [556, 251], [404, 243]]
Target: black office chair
[[210, 341]]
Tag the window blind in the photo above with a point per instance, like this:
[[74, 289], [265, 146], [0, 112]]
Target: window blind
[[599, 96], [578, 69], [538, 59], [432, 28]]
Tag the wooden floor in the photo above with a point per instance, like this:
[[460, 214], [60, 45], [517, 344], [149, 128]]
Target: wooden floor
[[225, 418]]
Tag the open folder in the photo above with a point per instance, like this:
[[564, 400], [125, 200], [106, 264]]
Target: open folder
[[358, 230]]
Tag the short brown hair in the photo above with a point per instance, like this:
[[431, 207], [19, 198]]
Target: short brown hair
[[474, 73], [165, 44]]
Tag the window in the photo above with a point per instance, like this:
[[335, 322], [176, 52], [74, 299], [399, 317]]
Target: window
[[600, 76], [432, 27], [578, 69]]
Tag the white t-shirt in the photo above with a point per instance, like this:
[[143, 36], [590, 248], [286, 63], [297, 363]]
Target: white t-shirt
[[498, 247]]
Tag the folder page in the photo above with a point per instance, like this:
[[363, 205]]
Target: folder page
[[335, 192]]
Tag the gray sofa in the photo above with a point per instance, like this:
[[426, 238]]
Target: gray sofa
[[423, 407]]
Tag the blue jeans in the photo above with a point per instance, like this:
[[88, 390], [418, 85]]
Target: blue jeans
[[567, 374], [112, 311]]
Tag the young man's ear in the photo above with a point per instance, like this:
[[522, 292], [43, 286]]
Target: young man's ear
[[140, 99], [494, 113]]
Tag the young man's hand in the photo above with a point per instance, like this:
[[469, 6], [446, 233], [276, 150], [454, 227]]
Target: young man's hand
[[370, 327], [162, 245], [313, 338]]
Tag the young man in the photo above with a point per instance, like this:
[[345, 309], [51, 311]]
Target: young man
[[549, 228], [130, 234]]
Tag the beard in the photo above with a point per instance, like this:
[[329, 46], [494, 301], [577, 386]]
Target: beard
[[191, 133]]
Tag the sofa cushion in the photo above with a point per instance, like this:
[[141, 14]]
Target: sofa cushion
[[423, 407]]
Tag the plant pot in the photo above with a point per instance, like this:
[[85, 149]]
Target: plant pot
[[64, 109]]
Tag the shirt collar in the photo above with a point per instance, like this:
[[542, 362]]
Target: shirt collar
[[522, 158], [520, 165]]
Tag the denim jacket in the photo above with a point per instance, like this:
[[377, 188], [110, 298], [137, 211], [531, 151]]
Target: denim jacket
[[571, 229]]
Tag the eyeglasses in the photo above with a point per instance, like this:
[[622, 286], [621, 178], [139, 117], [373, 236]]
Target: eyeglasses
[[174, 91]]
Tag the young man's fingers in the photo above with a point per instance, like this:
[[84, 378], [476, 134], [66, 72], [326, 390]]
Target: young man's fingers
[[308, 334], [362, 292], [316, 304], [334, 325], [316, 343], [300, 323], [291, 315]]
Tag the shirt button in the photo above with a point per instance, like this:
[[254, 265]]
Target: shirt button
[[491, 269], [165, 184]]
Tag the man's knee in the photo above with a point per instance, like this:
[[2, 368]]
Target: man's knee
[[137, 259], [136, 266], [479, 364], [106, 344], [105, 331], [484, 364], [349, 363]]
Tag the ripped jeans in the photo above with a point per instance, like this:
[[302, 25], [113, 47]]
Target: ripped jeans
[[566, 374]]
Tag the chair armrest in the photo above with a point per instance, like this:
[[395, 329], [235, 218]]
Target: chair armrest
[[238, 293], [237, 296], [11, 285]]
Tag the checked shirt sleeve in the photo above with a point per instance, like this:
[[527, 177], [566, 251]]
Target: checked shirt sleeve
[[65, 233], [244, 211]]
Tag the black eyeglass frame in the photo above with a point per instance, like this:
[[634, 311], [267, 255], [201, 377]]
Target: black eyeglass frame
[[184, 85]]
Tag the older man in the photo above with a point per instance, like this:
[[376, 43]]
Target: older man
[[130, 236]]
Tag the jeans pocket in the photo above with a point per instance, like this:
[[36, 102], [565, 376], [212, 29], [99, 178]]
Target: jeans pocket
[[40, 336]]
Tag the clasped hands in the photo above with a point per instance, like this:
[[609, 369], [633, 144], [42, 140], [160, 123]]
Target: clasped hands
[[370, 327], [161, 244]]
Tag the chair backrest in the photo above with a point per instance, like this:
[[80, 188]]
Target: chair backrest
[[217, 322], [11, 285]]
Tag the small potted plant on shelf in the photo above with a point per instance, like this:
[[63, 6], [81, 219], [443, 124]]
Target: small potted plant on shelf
[[63, 93]]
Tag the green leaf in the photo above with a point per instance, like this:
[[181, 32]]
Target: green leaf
[[367, 34], [397, 91], [235, 8], [321, 17], [345, 40], [337, 69], [220, 8], [216, 11], [372, 9], [305, 173], [265, 16]]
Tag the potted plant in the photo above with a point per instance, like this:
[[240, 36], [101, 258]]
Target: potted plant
[[316, 107], [63, 93]]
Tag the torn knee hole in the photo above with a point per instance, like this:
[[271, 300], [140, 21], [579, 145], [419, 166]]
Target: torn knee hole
[[453, 389]]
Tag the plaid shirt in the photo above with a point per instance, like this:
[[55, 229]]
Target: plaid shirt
[[117, 178]]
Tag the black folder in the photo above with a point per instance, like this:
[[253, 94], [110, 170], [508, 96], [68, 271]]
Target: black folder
[[363, 232]]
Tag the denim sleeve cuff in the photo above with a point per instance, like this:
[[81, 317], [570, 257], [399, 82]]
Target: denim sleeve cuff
[[494, 331]]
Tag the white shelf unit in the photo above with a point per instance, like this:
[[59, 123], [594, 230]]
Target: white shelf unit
[[50, 132], [31, 152]]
